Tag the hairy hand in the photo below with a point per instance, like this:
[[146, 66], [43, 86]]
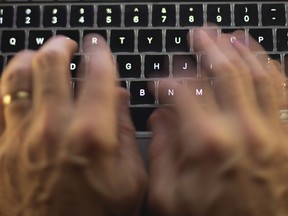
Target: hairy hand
[[229, 156], [65, 156]]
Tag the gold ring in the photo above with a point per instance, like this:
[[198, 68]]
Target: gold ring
[[20, 95], [283, 114]]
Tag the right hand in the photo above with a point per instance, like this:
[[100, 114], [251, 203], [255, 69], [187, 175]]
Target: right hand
[[229, 157]]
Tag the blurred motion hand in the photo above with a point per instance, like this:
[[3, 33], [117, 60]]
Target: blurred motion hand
[[229, 157], [60, 156]]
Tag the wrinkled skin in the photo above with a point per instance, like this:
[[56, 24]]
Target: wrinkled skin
[[229, 157], [60, 156]]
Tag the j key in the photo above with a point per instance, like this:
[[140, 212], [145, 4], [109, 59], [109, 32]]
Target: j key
[[273, 14], [156, 66], [246, 15], [140, 93], [82, 16], [191, 15], [103, 33], [55, 16], [109, 16], [74, 66], [140, 116], [282, 39], [184, 66], [122, 41], [6, 16], [38, 38], [264, 37], [129, 66], [176, 41], [164, 15], [136, 15], [28, 16], [219, 14], [150, 40], [13, 41], [72, 34]]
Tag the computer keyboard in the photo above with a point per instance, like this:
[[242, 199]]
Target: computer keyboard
[[148, 38]]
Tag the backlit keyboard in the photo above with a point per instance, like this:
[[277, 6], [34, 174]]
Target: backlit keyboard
[[148, 39]]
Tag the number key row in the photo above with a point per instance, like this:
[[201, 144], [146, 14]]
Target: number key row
[[139, 15]]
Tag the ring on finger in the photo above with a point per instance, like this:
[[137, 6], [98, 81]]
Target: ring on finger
[[19, 95], [283, 115]]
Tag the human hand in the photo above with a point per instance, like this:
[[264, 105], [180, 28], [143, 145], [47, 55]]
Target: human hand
[[230, 156], [60, 156]]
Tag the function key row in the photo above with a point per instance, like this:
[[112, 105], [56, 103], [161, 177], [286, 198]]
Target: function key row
[[138, 15]]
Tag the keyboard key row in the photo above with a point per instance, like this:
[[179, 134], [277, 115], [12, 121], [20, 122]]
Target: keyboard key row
[[87, 15], [148, 40]]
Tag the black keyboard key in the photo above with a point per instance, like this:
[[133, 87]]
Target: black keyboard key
[[123, 84], [109, 16], [129, 66], [122, 40], [6, 16], [140, 115], [9, 58], [38, 38], [28, 16], [246, 15], [82, 16], [282, 39], [72, 34], [55, 16], [176, 41], [184, 66], [164, 15], [13, 41], [219, 14], [273, 15], [103, 33], [150, 40], [74, 66], [1, 63], [140, 93], [156, 66], [191, 15], [264, 37], [136, 15]]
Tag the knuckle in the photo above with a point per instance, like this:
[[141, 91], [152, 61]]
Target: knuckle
[[47, 57], [92, 135]]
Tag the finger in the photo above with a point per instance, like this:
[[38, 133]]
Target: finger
[[129, 149], [17, 78], [229, 88], [2, 119], [263, 84], [98, 101], [162, 162], [51, 80]]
